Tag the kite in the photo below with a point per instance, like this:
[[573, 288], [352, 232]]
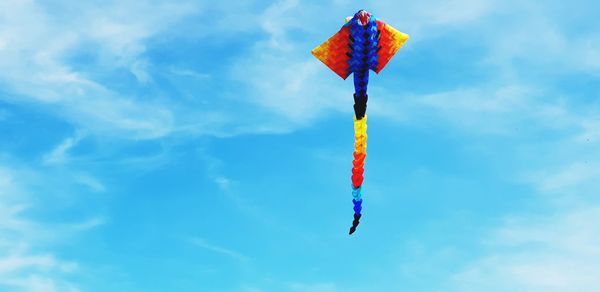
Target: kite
[[364, 43]]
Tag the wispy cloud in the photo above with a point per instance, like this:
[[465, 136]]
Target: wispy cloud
[[317, 287], [37, 42], [59, 154], [189, 73], [214, 168], [283, 78], [26, 261], [425, 20], [202, 243], [569, 179], [555, 248], [553, 46], [23, 262], [278, 86], [91, 182], [501, 107], [298, 90], [551, 253]]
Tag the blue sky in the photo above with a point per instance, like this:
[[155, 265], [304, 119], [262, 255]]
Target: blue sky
[[198, 146]]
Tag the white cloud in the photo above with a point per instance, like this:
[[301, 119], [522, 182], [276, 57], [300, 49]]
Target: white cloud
[[227, 185], [426, 20], [455, 12], [276, 22], [140, 70], [316, 287], [283, 77], [568, 179], [223, 182], [500, 100], [199, 242], [591, 130], [84, 225], [91, 182], [285, 85], [556, 250], [560, 252], [26, 261], [37, 42], [36, 283], [536, 37], [59, 154], [189, 73], [13, 263], [479, 110], [297, 91], [300, 89]]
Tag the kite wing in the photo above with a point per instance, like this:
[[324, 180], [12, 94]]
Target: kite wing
[[390, 41], [334, 52]]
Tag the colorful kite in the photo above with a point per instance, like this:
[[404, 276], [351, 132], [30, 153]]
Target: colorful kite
[[363, 43]]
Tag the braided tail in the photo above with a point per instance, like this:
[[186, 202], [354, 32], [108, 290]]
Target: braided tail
[[360, 153]]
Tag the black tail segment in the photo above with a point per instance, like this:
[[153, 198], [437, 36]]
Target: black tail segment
[[355, 223], [360, 105]]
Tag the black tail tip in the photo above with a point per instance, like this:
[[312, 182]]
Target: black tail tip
[[355, 223], [352, 229]]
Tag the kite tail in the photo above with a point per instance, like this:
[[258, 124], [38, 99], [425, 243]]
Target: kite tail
[[360, 153]]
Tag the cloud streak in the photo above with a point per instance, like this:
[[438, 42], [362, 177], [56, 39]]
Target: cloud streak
[[59, 154], [26, 261], [202, 243], [36, 43], [550, 253]]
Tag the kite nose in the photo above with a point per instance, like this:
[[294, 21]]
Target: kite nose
[[363, 17]]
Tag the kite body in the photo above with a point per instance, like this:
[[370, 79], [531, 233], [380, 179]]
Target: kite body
[[364, 43]]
